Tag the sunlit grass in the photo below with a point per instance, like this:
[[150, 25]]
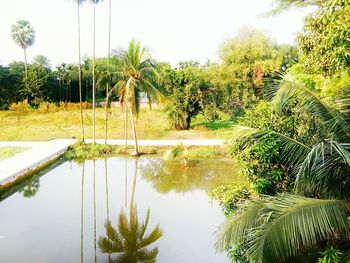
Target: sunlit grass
[[7, 152], [152, 124]]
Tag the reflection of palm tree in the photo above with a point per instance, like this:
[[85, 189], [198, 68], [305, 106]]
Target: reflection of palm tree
[[130, 240], [94, 175], [82, 216]]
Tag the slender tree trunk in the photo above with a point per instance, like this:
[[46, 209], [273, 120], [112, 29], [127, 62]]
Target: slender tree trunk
[[25, 63], [79, 65], [126, 126], [133, 125], [108, 67], [93, 79]]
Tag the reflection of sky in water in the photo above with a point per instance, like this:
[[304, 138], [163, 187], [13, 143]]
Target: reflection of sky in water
[[46, 227]]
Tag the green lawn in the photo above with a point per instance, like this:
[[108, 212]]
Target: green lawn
[[152, 124], [6, 152]]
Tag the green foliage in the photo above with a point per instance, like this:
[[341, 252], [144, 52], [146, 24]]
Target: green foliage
[[276, 229], [283, 5], [82, 151], [184, 88], [260, 162], [324, 42], [330, 255], [230, 197]]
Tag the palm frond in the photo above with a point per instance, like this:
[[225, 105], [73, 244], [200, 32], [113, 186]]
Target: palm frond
[[290, 89], [325, 171], [293, 224], [292, 151], [235, 229]]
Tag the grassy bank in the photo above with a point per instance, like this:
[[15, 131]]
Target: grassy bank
[[80, 151], [152, 124]]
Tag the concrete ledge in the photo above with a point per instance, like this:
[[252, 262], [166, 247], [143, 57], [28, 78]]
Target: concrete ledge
[[38, 155]]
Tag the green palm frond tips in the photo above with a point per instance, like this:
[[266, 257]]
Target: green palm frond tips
[[280, 228]]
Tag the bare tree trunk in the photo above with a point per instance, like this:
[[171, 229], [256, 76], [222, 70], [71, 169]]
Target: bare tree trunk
[[25, 62], [133, 125], [93, 78], [79, 64], [108, 66]]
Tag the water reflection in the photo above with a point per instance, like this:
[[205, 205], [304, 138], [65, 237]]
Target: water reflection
[[102, 214], [31, 188], [129, 239], [172, 175]]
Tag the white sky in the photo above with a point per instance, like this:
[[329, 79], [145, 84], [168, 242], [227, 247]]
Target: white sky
[[173, 30]]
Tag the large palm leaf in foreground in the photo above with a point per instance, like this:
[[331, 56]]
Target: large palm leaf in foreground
[[130, 240], [138, 75], [275, 229]]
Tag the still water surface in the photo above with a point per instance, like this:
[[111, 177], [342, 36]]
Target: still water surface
[[60, 215]]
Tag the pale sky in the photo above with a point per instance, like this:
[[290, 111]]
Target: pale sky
[[173, 30]]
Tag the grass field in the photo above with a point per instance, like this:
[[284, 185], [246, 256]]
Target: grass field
[[152, 124], [6, 152]]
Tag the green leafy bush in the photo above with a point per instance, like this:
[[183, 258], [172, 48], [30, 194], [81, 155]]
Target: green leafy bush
[[231, 196]]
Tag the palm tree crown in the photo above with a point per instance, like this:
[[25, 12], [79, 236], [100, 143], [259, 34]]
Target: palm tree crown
[[23, 33], [42, 63]]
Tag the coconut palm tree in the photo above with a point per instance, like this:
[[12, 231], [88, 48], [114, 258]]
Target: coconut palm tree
[[94, 2], [24, 35], [275, 229], [138, 75], [78, 3], [42, 63]]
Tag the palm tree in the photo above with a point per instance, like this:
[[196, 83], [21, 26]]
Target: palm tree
[[79, 2], [108, 65], [23, 34], [94, 2], [279, 228], [42, 63], [129, 240], [138, 75]]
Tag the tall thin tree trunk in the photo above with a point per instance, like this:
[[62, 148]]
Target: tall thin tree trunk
[[25, 63], [93, 78], [126, 126], [79, 65], [108, 66], [133, 125]]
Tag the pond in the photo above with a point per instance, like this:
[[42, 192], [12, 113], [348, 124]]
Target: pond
[[59, 215]]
